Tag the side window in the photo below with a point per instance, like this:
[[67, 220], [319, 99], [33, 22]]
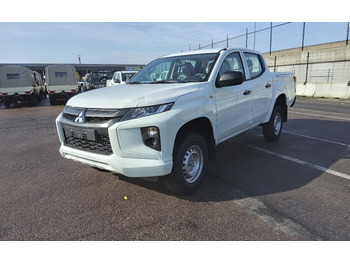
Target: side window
[[232, 62], [255, 66], [115, 76]]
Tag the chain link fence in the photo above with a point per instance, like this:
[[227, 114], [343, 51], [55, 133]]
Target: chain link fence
[[269, 37], [317, 53]]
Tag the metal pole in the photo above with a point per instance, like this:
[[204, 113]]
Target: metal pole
[[199, 46], [246, 38], [212, 44], [270, 37], [274, 69], [307, 67], [254, 35], [226, 41], [347, 35], [302, 44]]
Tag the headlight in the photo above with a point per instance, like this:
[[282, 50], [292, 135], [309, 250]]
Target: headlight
[[146, 111]]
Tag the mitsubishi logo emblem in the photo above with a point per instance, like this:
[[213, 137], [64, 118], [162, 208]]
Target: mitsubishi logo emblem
[[80, 118]]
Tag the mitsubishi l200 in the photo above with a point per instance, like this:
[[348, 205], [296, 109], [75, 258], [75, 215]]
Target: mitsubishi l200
[[167, 120]]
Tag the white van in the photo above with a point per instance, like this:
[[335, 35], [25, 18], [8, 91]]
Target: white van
[[61, 82], [18, 83]]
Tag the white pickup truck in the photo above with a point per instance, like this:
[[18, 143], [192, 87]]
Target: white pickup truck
[[120, 77], [170, 127]]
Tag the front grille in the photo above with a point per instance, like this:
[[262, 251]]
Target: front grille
[[94, 115], [101, 146], [91, 132]]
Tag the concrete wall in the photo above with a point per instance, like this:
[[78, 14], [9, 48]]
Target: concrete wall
[[325, 73]]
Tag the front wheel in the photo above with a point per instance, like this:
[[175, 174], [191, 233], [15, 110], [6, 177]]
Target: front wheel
[[273, 129], [190, 159]]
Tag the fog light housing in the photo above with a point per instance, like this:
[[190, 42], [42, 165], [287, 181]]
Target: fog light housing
[[151, 137]]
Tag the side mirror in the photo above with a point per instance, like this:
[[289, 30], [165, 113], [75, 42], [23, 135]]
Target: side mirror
[[230, 78]]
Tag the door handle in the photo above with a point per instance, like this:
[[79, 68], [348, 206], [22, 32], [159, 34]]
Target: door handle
[[247, 92], [268, 85]]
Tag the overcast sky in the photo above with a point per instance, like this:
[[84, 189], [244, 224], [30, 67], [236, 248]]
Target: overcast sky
[[140, 42]]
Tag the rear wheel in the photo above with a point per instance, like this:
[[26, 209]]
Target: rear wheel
[[52, 100], [273, 129], [190, 159], [7, 102]]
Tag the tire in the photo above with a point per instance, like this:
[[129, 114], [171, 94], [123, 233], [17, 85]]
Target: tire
[[272, 130], [52, 100], [6, 102], [190, 160], [34, 99]]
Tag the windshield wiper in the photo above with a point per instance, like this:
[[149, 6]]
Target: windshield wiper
[[163, 82], [134, 83]]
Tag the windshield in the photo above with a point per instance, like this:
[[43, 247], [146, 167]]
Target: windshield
[[98, 76], [179, 69], [126, 76]]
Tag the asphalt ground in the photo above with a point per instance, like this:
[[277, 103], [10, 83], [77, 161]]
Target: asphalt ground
[[295, 189]]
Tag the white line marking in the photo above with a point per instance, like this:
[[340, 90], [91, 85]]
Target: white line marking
[[301, 162], [279, 222], [324, 116], [320, 139]]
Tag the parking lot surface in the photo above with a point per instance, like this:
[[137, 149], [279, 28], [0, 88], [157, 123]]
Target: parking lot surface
[[295, 189]]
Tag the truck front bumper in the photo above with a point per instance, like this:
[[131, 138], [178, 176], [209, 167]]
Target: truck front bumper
[[129, 155], [130, 167]]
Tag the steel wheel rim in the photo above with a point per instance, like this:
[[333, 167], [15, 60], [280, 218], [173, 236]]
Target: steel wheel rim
[[192, 164], [277, 123]]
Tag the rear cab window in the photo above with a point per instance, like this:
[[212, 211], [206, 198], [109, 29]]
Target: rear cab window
[[254, 64], [13, 76], [61, 74]]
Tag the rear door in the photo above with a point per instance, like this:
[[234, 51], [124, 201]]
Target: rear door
[[260, 84]]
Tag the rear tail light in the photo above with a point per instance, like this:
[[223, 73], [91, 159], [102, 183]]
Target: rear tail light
[[51, 92], [27, 92], [4, 94], [74, 90]]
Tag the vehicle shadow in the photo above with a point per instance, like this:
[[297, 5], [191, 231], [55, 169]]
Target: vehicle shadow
[[241, 171], [43, 102]]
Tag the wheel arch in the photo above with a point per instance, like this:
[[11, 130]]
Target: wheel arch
[[203, 127], [281, 101]]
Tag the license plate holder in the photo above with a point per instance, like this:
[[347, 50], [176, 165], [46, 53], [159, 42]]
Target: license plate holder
[[81, 133]]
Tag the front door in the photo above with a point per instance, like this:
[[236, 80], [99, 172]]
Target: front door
[[233, 103]]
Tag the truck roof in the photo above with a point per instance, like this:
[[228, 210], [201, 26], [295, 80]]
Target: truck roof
[[210, 51]]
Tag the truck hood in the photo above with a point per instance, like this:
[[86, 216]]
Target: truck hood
[[129, 96]]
